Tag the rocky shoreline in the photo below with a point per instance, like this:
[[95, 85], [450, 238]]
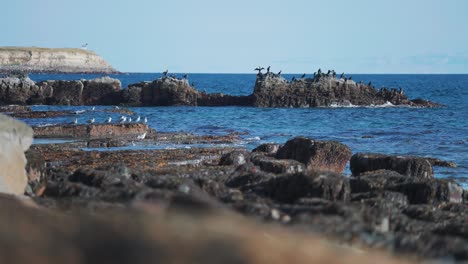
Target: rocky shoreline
[[393, 204], [270, 90]]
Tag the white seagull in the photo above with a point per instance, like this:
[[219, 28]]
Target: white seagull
[[137, 120], [94, 108], [129, 119], [91, 120], [109, 120], [142, 136], [122, 119], [145, 120], [74, 121]]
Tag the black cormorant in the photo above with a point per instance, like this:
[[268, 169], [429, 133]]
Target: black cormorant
[[259, 69], [342, 75], [185, 76], [303, 75], [268, 69]]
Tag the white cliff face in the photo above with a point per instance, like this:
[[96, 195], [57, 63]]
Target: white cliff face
[[52, 60], [15, 138]]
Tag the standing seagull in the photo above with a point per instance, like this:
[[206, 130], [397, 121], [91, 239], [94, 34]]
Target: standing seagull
[[91, 120], [74, 122], [109, 120], [145, 120], [122, 119], [142, 136], [137, 120], [129, 119]]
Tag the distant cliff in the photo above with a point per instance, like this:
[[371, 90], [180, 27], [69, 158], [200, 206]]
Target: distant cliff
[[66, 60]]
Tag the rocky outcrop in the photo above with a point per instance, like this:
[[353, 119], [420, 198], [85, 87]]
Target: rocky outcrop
[[15, 139], [271, 90], [316, 155], [409, 166], [33, 59], [92, 131], [100, 91]]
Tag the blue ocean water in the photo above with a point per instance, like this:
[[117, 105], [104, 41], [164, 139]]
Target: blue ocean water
[[440, 132]]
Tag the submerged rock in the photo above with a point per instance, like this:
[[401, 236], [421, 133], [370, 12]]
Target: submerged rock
[[15, 139]]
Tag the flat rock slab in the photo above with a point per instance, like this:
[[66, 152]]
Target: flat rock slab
[[40, 114], [14, 108], [92, 131]]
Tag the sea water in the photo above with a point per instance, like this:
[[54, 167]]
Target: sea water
[[438, 132]]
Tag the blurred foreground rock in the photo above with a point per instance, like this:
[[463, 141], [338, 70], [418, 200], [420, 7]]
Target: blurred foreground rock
[[15, 139]]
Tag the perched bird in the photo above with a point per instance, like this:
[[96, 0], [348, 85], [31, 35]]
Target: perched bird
[[94, 108], [116, 107], [268, 69], [91, 120], [279, 73], [129, 119], [185, 76], [165, 72], [137, 120], [109, 120], [303, 75], [145, 120], [259, 69], [142, 136], [193, 84], [342, 75], [369, 84], [74, 122], [122, 119], [293, 79]]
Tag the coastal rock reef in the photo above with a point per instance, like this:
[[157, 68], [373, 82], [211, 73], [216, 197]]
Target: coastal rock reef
[[270, 90]]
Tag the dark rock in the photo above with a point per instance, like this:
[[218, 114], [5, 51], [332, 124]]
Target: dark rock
[[273, 165], [316, 155], [101, 177], [234, 158], [132, 96], [101, 91], [418, 102], [288, 189], [429, 191], [16, 90], [62, 92], [375, 181], [409, 166], [268, 148], [441, 163], [168, 91], [247, 175]]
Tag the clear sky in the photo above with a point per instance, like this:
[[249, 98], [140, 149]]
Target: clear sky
[[296, 36]]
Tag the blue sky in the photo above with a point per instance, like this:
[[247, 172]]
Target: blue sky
[[296, 36]]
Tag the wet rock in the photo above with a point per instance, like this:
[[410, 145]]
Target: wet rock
[[15, 139], [234, 158], [316, 155], [418, 102], [375, 181], [441, 163], [269, 149], [273, 165], [405, 165], [290, 188], [92, 131]]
